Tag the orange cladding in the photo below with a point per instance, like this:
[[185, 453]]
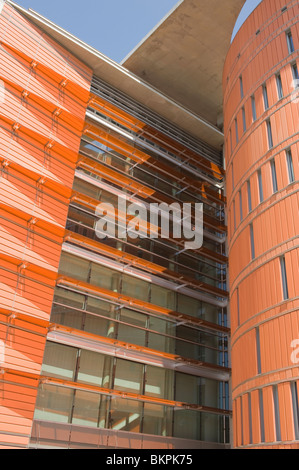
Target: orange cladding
[[44, 92], [261, 123]]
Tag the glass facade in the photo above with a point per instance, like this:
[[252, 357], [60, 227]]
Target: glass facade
[[143, 294]]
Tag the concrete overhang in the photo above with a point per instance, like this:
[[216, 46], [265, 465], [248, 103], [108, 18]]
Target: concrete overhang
[[184, 55], [163, 97]]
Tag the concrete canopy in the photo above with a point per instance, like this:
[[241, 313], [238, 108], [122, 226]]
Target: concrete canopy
[[184, 55]]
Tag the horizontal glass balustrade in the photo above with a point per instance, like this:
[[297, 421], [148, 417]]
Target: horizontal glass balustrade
[[63, 405], [116, 281], [163, 182], [159, 252], [126, 325], [155, 121], [73, 365]]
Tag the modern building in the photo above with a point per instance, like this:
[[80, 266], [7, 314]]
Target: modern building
[[123, 342]]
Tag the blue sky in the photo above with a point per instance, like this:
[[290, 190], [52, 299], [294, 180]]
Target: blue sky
[[114, 27]]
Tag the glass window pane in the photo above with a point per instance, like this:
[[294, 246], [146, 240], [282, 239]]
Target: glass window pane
[[97, 325], [128, 376], [187, 388], [135, 288], [160, 342], [95, 369], [274, 176], [265, 95], [100, 326], [162, 297], [159, 382], [181, 430], [189, 306], [131, 334], [125, 415], [74, 267], [66, 316], [157, 420], [67, 297], [86, 408], [253, 105], [54, 404], [290, 166], [59, 361], [290, 42], [104, 277]]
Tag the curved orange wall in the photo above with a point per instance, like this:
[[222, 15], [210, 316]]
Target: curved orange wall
[[44, 92], [265, 322]]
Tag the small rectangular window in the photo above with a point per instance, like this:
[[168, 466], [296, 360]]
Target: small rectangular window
[[234, 209], [279, 86], [284, 279], [262, 419], [244, 119], [269, 133], [241, 87], [242, 424], [274, 176], [295, 404], [250, 417], [290, 166], [295, 75], [290, 42], [265, 96], [260, 183], [276, 412], [236, 129], [241, 205], [253, 105], [258, 350], [249, 196], [252, 242]]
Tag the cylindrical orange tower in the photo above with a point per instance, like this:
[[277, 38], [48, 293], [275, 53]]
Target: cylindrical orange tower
[[261, 121]]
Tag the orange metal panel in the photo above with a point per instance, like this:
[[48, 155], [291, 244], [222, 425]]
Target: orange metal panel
[[135, 303], [45, 99]]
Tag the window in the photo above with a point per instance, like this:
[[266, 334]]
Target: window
[[241, 206], [290, 42], [269, 133], [234, 210], [284, 278], [279, 86], [258, 350], [262, 415], [253, 106], [295, 403], [244, 119], [249, 196], [265, 96], [260, 183], [276, 412], [290, 166], [295, 75], [241, 87], [274, 176], [252, 242], [236, 129], [250, 417], [233, 178]]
